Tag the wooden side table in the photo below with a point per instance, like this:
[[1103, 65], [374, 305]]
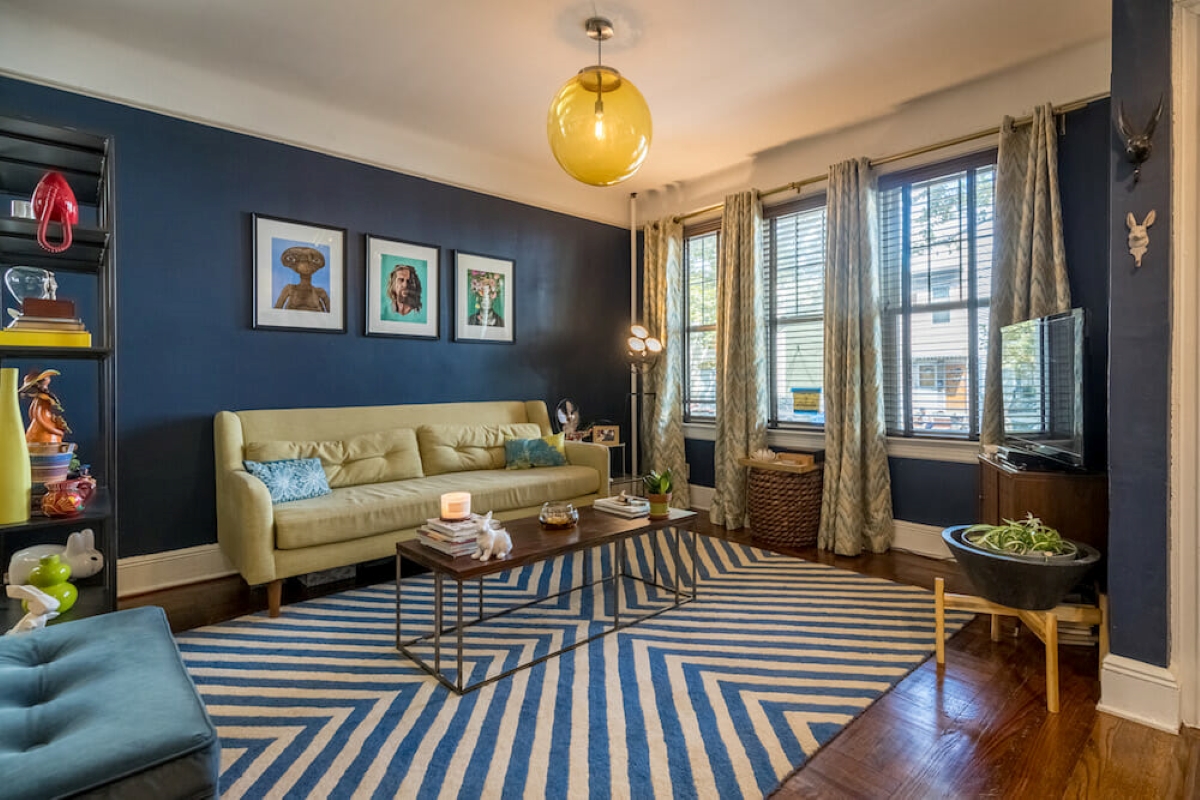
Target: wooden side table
[[1044, 625]]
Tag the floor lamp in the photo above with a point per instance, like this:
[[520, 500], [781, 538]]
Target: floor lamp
[[642, 352]]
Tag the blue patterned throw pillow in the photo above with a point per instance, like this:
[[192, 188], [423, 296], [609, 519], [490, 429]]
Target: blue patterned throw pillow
[[297, 479], [549, 451]]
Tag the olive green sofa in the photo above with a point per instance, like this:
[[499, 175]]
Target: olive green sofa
[[387, 466]]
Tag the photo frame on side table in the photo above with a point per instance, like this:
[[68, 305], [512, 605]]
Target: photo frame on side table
[[484, 301], [403, 288], [299, 275], [607, 435]]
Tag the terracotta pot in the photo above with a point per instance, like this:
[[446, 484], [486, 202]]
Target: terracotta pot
[[660, 505]]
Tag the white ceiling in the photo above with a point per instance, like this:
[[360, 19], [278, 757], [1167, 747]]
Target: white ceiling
[[724, 80]]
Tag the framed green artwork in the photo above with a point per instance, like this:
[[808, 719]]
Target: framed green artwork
[[484, 299], [403, 288]]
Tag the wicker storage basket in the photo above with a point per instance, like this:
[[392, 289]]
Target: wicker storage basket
[[785, 504]]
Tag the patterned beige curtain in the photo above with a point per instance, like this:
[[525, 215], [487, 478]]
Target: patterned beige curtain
[[856, 506], [662, 314], [741, 355], [1029, 264]]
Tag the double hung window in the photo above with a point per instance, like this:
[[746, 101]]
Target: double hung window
[[936, 260], [935, 256], [700, 249], [794, 263]]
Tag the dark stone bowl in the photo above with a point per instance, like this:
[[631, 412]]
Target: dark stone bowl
[[1017, 582]]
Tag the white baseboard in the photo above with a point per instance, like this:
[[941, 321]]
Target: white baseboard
[[923, 540], [701, 496], [148, 573], [912, 537], [1140, 692]]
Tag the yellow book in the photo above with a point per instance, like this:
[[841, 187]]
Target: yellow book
[[45, 339]]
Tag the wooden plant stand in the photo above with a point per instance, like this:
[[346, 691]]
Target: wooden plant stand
[[1044, 625]]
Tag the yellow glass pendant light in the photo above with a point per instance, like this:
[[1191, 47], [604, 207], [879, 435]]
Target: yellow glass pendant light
[[599, 124]]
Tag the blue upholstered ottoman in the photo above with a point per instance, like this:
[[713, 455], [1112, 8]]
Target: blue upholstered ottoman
[[102, 706]]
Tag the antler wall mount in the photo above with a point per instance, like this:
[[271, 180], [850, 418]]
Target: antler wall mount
[[1138, 145]]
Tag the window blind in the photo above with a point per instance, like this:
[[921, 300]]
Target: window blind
[[935, 282], [794, 262], [700, 389]]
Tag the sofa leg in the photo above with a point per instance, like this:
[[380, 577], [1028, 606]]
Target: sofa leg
[[274, 597]]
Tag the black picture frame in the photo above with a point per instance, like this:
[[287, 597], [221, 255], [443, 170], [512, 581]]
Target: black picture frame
[[499, 326], [271, 237], [383, 256]]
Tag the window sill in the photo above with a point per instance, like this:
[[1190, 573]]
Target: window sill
[[948, 450]]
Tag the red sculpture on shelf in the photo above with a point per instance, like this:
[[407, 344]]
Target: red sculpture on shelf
[[53, 201]]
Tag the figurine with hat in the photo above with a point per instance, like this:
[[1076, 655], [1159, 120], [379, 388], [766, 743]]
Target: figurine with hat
[[46, 422]]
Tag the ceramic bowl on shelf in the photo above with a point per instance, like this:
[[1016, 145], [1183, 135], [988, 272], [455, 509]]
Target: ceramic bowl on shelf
[[558, 516]]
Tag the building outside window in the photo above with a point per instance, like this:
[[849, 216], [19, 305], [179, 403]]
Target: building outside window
[[936, 256], [794, 262], [700, 249]]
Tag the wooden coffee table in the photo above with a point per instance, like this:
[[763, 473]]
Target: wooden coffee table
[[532, 544]]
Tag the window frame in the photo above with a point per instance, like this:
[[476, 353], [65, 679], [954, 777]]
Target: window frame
[[904, 180], [691, 232], [771, 216]]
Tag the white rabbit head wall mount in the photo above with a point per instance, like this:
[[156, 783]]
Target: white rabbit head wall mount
[[1139, 237]]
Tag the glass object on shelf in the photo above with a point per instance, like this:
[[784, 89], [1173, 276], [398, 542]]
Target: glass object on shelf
[[23, 282], [558, 516]]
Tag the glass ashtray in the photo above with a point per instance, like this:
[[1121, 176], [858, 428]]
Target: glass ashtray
[[557, 516]]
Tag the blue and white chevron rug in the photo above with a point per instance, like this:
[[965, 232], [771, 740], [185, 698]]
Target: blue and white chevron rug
[[723, 697]]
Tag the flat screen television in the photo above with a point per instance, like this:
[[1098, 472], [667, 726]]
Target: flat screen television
[[1042, 365]]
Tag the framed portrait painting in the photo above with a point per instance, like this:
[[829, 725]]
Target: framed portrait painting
[[403, 288], [484, 301], [299, 275]]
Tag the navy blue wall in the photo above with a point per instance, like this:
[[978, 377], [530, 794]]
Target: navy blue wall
[[1140, 342], [186, 349], [945, 493]]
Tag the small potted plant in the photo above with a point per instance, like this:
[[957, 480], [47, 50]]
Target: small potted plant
[[1022, 563], [658, 492]]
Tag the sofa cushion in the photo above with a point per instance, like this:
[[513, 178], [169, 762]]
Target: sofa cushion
[[390, 455], [360, 511], [461, 448], [292, 479], [548, 451]]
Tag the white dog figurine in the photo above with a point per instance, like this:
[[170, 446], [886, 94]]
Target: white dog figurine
[[493, 540], [42, 607]]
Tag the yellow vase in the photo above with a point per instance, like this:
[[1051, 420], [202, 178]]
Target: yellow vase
[[14, 454]]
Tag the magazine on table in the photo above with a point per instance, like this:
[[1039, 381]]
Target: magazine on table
[[624, 505]]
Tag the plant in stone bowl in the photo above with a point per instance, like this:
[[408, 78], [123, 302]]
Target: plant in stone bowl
[[1020, 564], [1028, 537]]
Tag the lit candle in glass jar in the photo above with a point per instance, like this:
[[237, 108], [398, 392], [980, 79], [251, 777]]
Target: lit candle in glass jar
[[456, 505]]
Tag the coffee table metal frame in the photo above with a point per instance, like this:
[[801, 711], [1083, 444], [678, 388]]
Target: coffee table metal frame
[[463, 569]]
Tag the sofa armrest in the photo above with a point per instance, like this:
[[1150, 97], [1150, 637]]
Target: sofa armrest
[[246, 525], [596, 456]]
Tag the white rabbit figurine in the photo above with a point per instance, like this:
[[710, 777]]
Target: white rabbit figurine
[[80, 554], [493, 540], [42, 607]]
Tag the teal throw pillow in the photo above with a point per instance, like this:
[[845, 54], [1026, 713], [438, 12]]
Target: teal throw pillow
[[526, 453], [297, 479]]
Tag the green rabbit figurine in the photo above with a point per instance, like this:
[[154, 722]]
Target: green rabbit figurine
[[50, 575]]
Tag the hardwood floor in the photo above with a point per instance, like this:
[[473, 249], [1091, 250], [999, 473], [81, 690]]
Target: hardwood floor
[[978, 727]]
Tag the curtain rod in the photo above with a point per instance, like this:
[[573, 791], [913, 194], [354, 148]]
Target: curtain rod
[[916, 151]]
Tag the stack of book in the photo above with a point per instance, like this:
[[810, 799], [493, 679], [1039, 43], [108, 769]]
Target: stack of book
[[624, 506], [452, 538], [47, 323]]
